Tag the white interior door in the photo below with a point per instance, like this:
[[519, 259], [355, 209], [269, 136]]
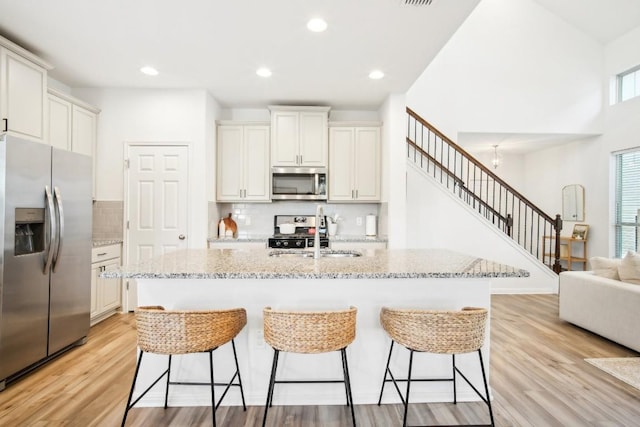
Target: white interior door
[[157, 200]]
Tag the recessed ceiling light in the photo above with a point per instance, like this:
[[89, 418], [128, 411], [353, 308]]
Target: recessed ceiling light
[[263, 72], [376, 75], [149, 71], [317, 25]]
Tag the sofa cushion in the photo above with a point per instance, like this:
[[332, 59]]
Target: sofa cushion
[[605, 267], [629, 269]]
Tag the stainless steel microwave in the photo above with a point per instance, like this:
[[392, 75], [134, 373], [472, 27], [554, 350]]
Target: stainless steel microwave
[[291, 183]]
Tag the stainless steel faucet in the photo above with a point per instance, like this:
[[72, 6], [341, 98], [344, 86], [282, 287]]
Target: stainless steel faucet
[[316, 236]]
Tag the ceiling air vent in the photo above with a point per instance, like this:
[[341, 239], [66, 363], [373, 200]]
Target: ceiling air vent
[[418, 2]]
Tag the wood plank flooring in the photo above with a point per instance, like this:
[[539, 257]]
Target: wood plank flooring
[[538, 378]]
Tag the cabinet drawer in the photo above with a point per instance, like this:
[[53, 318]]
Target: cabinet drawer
[[105, 252]]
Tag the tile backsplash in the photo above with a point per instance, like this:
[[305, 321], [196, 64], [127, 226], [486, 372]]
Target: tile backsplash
[[108, 216], [257, 218]]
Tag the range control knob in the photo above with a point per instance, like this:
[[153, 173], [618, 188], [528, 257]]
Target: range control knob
[[299, 243], [285, 243], [278, 243]]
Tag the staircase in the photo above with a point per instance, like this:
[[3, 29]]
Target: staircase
[[484, 191]]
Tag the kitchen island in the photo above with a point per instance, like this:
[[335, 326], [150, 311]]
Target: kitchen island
[[253, 279]]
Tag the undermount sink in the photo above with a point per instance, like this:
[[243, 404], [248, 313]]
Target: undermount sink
[[309, 254]]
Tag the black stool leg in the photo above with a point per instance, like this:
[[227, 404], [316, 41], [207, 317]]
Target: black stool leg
[[166, 392], [272, 380], [347, 383], [235, 357], [133, 384], [455, 395], [386, 371], [486, 387], [213, 395], [406, 404]]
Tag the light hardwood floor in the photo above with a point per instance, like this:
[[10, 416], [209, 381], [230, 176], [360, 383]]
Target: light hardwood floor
[[538, 378]]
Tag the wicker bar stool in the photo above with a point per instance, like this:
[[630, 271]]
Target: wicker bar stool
[[309, 332], [174, 332], [435, 331]]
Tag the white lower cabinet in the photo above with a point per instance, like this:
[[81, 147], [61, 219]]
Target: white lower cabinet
[[106, 294]]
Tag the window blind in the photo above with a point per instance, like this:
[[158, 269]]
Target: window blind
[[627, 208]]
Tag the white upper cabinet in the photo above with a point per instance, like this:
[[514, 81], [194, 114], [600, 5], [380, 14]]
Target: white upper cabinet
[[83, 134], [23, 92], [354, 164], [60, 112], [243, 172], [299, 136], [72, 123]]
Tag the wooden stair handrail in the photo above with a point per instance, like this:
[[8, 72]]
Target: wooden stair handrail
[[480, 165], [458, 181]]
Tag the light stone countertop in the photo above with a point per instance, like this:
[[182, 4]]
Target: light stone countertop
[[243, 238], [106, 242], [261, 238], [257, 264]]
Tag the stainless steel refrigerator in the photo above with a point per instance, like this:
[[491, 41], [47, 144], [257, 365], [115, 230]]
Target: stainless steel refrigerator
[[45, 261]]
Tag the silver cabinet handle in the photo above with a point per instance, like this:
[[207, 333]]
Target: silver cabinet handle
[[102, 254], [356, 194], [182, 237]]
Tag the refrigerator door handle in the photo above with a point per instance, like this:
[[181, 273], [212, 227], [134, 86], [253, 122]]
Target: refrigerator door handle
[[57, 198], [50, 230]]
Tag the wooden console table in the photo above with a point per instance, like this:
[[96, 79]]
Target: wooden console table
[[567, 250]]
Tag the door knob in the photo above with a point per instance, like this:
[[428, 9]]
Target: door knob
[[181, 237]]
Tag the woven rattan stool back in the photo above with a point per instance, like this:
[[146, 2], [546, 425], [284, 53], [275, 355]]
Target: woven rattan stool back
[[436, 331], [309, 331], [186, 331]]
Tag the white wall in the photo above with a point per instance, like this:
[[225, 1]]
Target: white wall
[[154, 115], [515, 67], [583, 162], [512, 67], [588, 162], [394, 187]]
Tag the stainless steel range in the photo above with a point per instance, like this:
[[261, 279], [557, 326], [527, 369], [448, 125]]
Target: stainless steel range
[[297, 232]]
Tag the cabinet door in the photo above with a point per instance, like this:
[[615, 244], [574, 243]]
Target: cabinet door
[[95, 270], [313, 139], [230, 159], [284, 138], [23, 95], [256, 164], [59, 123], [367, 164], [84, 131], [341, 146], [110, 288]]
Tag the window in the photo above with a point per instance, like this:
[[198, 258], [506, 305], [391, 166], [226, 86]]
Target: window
[[629, 84], [627, 225]]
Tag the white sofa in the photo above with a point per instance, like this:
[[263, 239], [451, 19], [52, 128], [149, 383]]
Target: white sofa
[[607, 307]]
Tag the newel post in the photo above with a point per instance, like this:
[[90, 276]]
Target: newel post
[[558, 228]]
